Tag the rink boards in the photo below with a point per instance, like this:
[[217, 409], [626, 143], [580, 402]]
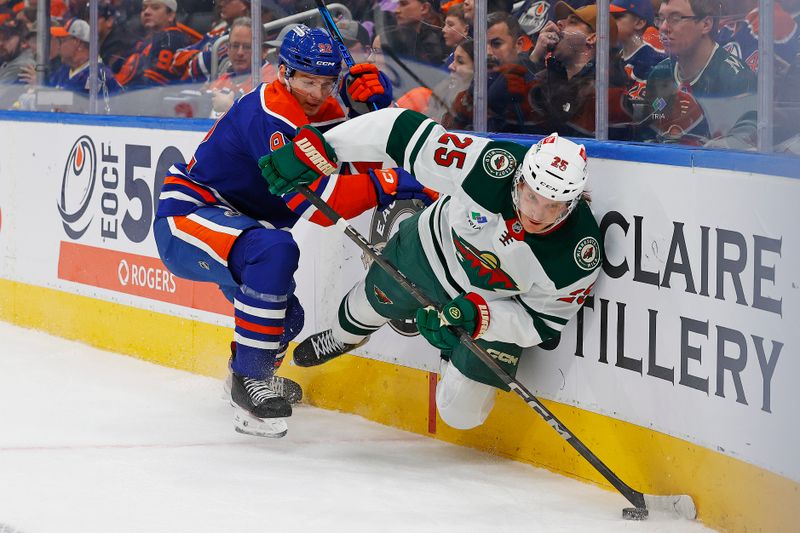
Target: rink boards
[[679, 373]]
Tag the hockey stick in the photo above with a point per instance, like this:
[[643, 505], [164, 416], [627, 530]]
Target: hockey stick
[[333, 29], [681, 504]]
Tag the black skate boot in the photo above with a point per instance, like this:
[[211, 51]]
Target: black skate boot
[[288, 388], [258, 409], [320, 348]]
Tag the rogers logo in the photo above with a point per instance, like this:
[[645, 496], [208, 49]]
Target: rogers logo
[[77, 186], [148, 277]]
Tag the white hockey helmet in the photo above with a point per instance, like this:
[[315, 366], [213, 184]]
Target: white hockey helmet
[[555, 168]]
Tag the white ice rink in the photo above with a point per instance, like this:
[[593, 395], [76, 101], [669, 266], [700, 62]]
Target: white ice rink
[[96, 442]]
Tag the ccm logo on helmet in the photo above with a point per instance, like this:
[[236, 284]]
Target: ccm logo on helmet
[[326, 63]]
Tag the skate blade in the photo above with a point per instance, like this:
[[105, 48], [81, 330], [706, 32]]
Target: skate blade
[[244, 422]]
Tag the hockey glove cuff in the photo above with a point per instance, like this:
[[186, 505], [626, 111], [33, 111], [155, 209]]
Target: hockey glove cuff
[[469, 311], [396, 184], [300, 162], [364, 86]]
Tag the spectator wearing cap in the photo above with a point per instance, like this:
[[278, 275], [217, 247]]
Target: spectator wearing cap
[[116, 41], [356, 38], [14, 56], [417, 34], [562, 96], [151, 62], [73, 75], [638, 55], [698, 69]]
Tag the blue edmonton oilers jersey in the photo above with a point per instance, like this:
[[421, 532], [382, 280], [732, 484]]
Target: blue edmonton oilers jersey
[[638, 67], [224, 169], [740, 39]]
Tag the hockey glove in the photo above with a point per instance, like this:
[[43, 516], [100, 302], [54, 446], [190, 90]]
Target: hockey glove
[[300, 162], [468, 311], [364, 86], [396, 184]]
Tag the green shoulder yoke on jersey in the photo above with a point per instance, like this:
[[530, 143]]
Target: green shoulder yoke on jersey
[[572, 251], [490, 180]]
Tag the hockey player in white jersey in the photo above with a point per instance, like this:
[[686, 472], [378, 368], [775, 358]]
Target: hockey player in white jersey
[[510, 250]]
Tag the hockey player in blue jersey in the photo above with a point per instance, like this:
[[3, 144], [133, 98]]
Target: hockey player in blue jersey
[[218, 222]]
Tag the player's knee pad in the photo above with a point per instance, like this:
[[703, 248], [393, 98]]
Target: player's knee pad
[[462, 403], [266, 260]]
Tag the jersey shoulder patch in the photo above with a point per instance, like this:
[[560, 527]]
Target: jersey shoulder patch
[[490, 180]]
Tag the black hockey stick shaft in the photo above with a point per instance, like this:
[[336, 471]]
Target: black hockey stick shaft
[[333, 29], [632, 495]]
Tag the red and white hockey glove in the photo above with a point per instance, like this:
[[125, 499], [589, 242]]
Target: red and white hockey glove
[[469, 311], [396, 184], [300, 162]]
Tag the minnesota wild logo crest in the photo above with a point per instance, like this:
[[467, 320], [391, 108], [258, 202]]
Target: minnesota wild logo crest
[[482, 268]]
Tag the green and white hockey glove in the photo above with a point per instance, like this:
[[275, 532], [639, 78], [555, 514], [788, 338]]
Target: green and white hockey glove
[[300, 162], [468, 311]]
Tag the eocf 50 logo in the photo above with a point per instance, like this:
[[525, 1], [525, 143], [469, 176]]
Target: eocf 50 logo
[[118, 187]]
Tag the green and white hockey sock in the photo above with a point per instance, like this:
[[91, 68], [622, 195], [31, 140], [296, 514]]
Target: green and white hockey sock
[[357, 319]]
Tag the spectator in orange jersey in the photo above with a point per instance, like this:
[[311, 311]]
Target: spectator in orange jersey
[[151, 62]]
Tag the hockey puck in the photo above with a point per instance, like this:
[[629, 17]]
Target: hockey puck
[[634, 513]]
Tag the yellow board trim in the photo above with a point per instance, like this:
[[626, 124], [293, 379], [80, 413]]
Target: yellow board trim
[[730, 494]]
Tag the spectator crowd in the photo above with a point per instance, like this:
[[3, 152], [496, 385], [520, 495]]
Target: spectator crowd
[[680, 71]]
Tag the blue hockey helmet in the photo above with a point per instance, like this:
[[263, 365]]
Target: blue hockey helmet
[[310, 50]]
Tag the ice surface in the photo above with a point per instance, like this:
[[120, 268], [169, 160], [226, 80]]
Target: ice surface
[[92, 441]]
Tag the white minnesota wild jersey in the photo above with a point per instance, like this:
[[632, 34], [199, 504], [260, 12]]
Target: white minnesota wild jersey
[[533, 284]]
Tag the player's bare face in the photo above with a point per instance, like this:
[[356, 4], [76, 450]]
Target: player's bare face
[[311, 91], [537, 213], [155, 16]]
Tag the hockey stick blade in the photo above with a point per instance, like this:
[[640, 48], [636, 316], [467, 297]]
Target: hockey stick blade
[[681, 505]]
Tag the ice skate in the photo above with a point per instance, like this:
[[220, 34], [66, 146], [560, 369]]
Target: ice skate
[[288, 388], [258, 409], [321, 348]]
